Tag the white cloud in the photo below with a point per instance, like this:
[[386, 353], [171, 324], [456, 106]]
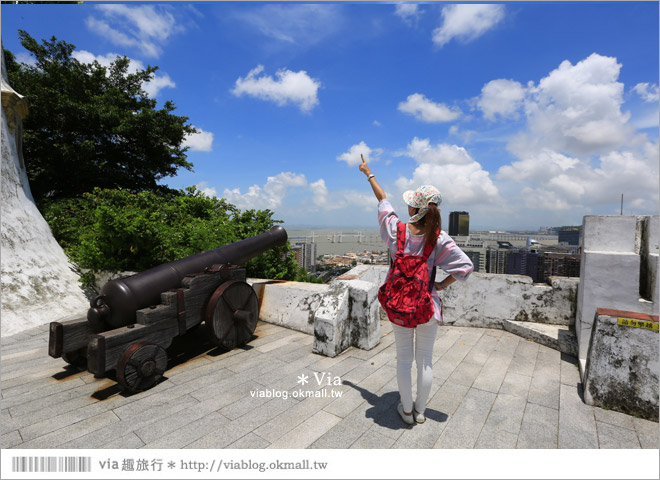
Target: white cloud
[[290, 87], [206, 190], [301, 25], [467, 22], [201, 141], [26, 58], [352, 157], [465, 135], [377, 123], [269, 196], [578, 152], [408, 12], [443, 154], [648, 92], [146, 27], [320, 193], [152, 87], [428, 111], [537, 167], [452, 170], [501, 97], [576, 109]]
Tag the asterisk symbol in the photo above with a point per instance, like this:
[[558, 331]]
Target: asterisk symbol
[[303, 379], [171, 464]]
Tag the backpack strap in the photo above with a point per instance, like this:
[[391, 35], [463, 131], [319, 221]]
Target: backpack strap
[[400, 237]]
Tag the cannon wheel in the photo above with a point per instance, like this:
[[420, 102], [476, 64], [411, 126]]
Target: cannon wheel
[[232, 314], [141, 366]]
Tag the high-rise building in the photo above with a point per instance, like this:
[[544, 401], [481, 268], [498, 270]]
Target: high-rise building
[[523, 263], [569, 235], [476, 258], [305, 254], [459, 224], [497, 258], [559, 265]]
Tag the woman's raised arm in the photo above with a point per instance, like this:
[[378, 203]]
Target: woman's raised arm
[[378, 191]]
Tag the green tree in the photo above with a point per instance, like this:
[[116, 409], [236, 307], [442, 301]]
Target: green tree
[[91, 126], [116, 230]]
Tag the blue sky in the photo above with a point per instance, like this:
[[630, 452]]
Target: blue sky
[[524, 114]]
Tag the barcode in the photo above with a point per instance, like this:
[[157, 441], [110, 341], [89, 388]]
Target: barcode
[[51, 464]]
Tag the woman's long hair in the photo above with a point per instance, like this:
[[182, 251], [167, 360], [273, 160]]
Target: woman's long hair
[[432, 224]]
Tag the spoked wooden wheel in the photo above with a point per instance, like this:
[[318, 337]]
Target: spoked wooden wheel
[[141, 366], [232, 314]]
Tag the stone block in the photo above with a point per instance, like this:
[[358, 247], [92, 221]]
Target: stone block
[[622, 367], [289, 304], [331, 322], [610, 233], [364, 311]]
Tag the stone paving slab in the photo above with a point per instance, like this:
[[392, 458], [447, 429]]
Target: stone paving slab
[[611, 436], [539, 427], [577, 424], [464, 426], [491, 389]]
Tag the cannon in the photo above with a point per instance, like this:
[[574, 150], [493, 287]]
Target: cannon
[[134, 319]]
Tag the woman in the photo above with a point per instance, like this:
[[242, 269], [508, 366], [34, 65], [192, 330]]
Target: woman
[[424, 226]]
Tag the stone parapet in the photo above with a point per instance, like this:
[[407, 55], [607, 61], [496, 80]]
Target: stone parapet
[[489, 300], [618, 269], [622, 368]]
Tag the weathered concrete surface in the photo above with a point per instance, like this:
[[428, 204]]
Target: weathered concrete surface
[[622, 367], [347, 312], [557, 337], [342, 314], [38, 282], [289, 304], [488, 300], [618, 269]]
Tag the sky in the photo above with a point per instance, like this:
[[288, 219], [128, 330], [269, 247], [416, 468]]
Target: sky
[[524, 114]]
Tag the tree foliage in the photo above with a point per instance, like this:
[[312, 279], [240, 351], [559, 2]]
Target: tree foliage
[[91, 126], [116, 230]]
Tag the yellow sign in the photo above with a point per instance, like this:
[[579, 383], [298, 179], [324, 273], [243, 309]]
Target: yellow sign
[[630, 322]]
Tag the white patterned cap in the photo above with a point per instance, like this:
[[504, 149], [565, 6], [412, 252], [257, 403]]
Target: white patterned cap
[[421, 198]]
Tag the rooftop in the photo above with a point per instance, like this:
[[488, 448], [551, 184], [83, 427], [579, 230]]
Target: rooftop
[[492, 389]]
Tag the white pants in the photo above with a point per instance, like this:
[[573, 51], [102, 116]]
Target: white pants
[[415, 343]]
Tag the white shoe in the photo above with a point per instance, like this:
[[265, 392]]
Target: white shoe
[[419, 417], [406, 417]]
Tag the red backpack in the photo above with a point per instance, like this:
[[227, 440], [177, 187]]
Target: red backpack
[[406, 294]]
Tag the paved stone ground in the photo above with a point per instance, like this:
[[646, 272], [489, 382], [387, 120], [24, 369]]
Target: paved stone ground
[[491, 389]]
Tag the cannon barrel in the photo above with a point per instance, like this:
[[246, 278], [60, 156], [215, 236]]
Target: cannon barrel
[[120, 299]]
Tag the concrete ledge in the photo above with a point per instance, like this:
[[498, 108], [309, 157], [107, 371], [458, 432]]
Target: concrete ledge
[[557, 337], [488, 300]]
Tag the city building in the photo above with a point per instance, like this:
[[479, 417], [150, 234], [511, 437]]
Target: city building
[[459, 224], [305, 255], [569, 235], [558, 265], [497, 257], [523, 263], [478, 256]]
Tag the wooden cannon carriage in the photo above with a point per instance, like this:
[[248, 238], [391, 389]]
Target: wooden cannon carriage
[[134, 319]]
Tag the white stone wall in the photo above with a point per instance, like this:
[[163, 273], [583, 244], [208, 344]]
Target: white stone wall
[[619, 260], [488, 300], [347, 313], [37, 280]]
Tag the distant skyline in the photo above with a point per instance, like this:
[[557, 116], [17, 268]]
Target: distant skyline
[[524, 114]]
